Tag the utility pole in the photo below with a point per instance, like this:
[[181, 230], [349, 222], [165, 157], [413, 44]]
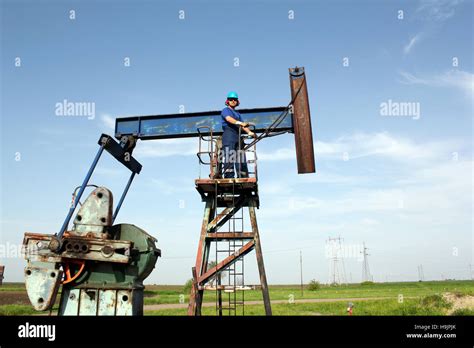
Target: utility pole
[[365, 268], [301, 272]]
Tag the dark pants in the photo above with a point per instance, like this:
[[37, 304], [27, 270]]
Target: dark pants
[[232, 156]]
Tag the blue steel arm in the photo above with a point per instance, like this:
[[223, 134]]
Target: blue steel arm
[[119, 205]]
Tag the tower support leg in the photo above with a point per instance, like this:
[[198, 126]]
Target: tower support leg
[[195, 298], [261, 266]]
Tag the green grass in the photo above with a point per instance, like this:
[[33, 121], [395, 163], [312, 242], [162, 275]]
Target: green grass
[[412, 292], [283, 292], [12, 287], [371, 307], [17, 310]]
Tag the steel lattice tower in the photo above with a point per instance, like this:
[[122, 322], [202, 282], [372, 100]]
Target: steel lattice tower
[[366, 276], [338, 272]]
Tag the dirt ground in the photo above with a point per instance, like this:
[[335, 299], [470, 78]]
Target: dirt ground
[[459, 301], [13, 297]]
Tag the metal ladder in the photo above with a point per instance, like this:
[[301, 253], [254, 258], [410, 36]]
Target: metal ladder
[[234, 273]]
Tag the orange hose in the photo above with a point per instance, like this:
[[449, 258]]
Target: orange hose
[[67, 271]]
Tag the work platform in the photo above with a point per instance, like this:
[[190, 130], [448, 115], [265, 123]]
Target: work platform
[[226, 190]]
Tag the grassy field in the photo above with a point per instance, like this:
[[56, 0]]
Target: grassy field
[[155, 295], [431, 305], [403, 298]]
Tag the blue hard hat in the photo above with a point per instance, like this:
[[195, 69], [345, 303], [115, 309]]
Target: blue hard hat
[[232, 95]]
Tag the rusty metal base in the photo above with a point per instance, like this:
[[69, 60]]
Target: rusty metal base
[[113, 302]]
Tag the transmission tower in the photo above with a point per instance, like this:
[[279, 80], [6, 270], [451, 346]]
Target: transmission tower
[[366, 277], [421, 275], [338, 272]]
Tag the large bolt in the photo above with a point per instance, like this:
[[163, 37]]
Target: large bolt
[[107, 250], [54, 244]]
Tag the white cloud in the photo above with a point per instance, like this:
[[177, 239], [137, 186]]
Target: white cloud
[[414, 40], [437, 10], [277, 155], [108, 122], [326, 177], [438, 195], [459, 79], [428, 189], [369, 222], [360, 145]]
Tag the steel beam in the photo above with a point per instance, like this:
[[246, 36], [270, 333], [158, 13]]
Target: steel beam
[[186, 125], [225, 215], [229, 260]]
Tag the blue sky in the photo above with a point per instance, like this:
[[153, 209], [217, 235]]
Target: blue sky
[[401, 184]]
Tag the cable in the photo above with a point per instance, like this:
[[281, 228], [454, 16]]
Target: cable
[[267, 132], [75, 192]]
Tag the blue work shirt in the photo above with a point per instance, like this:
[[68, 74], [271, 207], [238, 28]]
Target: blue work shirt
[[226, 126]]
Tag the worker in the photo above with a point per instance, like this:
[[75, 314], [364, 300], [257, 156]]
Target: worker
[[231, 144]]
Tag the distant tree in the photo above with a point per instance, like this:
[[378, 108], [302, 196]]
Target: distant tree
[[314, 285], [187, 286], [367, 283]]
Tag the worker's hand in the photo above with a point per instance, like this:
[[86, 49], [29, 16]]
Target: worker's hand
[[252, 134], [243, 124]]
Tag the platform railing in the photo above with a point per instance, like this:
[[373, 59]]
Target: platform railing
[[210, 152]]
